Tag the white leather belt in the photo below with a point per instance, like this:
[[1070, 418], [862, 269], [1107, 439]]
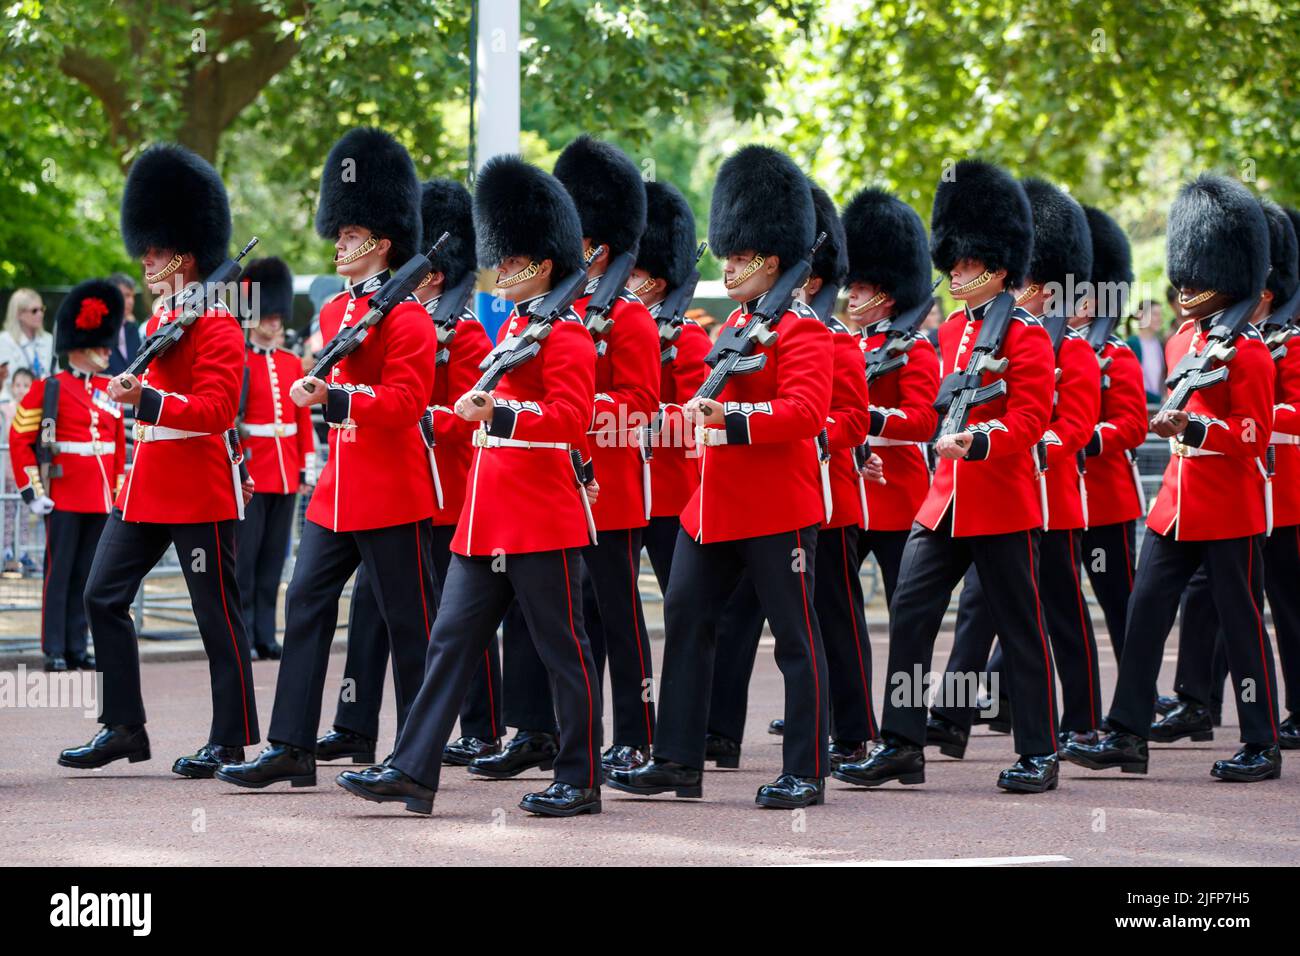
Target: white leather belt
[[147, 433], [86, 449], [876, 442], [483, 440], [271, 429], [1188, 451], [1281, 438]]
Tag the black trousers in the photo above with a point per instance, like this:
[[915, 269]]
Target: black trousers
[[547, 589], [972, 644], [1202, 656], [1109, 554], [70, 541], [1234, 569], [262, 549], [933, 563], [362, 693], [128, 551], [616, 631], [660, 538], [782, 567], [399, 565]]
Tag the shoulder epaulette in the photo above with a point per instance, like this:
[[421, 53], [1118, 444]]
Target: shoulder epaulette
[[802, 309], [1025, 316]]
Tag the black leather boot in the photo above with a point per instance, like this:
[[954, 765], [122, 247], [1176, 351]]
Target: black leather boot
[[385, 784], [777, 727], [526, 751], [947, 736], [1250, 764], [278, 763], [461, 751], [1036, 774], [1187, 719], [789, 792], [623, 757], [1126, 751], [562, 800], [113, 742], [722, 752], [1288, 734], [892, 760], [846, 751], [205, 763], [345, 745], [659, 776]]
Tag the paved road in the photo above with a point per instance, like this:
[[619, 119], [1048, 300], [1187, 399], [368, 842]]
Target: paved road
[[142, 814]]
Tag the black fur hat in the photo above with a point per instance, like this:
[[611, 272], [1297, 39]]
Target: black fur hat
[[831, 264], [1062, 243], [1112, 261], [445, 206], [89, 317], [886, 245], [981, 213], [668, 244], [174, 199], [274, 287], [369, 181], [1217, 238], [521, 211], [607, 189], [761, 202], [1283, 252]]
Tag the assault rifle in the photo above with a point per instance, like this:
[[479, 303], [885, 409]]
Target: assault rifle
[[450, 306], [1280, 326], [1199, 370], [960, 392], [892, 353], [608, 288], [672, 311]]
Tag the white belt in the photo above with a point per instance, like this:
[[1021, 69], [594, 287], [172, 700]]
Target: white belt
[[271, 429], [86, 449], [1188, 451], [483, 440], [1281, 438], [147, 433], [877, 442]]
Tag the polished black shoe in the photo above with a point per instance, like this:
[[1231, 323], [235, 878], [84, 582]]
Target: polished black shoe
[[846, 751], [462, 750], [1116, 749], [789, 792], [659, 776], [890, 761], [1188, 719], [1251, 763], [113, 742], [55, 664], [777, 727], [623, 757], [722, 752], [1087, 737], [1288, 734], [1167, 702], [562, 800], [207, 761], [385, 784], [345, 745], [268, 652], [526, 751], [1031, 775], [81, 662], [947, 736], [278, 763], [999, 720]]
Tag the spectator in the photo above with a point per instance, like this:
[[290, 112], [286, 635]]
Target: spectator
[[19, 385], [1149, 346], [24, 343], [705, 321], [128, 339]]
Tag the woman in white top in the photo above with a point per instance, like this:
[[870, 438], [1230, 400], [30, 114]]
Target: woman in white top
[[24, 342]]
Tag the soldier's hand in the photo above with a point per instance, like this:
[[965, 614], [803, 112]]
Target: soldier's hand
[[875, 469], [247, 489], [954, 446], [42, 505], [1169, 423], [475, 406], [703, 411], [592, 490], [306, 488], [125, 389], [303, 397]]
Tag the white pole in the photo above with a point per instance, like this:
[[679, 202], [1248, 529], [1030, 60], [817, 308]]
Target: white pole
[[498, 79]]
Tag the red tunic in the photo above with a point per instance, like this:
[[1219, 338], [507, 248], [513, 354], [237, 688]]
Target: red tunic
[[193, 386], [846, 426], [1209, 497], [378, 472], [903, 420], [1074, 421], [1112, 492], [527, 499], [766, 478], [276, 461], [675, 468], [1286, 439], [995, 489], [82, 483], [451, 432]]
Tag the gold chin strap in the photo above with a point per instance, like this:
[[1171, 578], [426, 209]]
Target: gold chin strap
[[984, 278], [1027, 293], [1196, 299], [643, 287], [871, 303], [751, 267], [428, 277], [523, 275], [167, 270], [364, 249]]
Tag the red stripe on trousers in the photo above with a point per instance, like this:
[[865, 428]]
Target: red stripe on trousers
[[636, 627], [1259, 624], [239, 661], [419, 569], [591, 754], [1083, 629], [492, 707], [45, 587], [857, 640], [1042, 635], [812, 659]]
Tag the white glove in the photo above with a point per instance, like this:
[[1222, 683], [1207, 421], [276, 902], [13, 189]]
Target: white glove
[[42, 505]]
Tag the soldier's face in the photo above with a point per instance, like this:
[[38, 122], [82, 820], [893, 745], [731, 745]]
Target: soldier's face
[[645, 287], [743, 281], [357, 253], [962, 281], [162, 272], [1194, 304], [866, 305]]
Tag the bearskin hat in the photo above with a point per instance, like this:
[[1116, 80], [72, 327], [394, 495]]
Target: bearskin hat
[[175, 200], [89, 317], [887, 247], [274, 287], [1217, 238], [761, 202], [1283, 252], [607, 189], [519, 210], [668, 244], [1112, 261], [445, 206], [981, 213], [831, 263], [1062, 244], [369, 181]]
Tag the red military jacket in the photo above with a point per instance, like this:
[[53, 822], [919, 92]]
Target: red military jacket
[[995, 490], [1114, 493], [1213, 487], [458, 372], [626, 400], [522, 499], [1286, 439], [759, 471], [675, 468], [84, 477], [846, 426], [279, 444], [378, 471], [192, 387], [903, 420], [1074, 421]]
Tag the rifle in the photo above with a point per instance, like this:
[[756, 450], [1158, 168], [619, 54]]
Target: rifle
[[450, 306], [46, 446], [1195, 371], [672, 310], [823, 303], [397, 289], [892, 353], [960, 392], [1280, 326], [1099, 333], [608, 288], [190, 304]]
